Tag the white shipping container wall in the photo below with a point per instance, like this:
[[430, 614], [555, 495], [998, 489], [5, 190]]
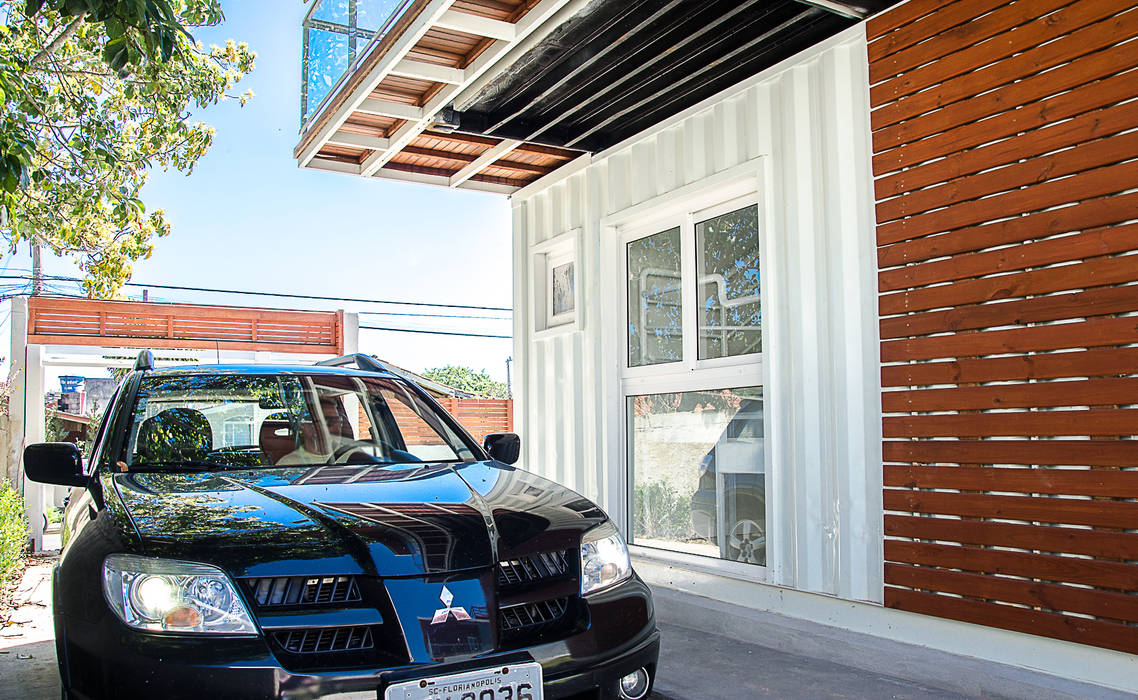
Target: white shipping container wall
[[801, 132]]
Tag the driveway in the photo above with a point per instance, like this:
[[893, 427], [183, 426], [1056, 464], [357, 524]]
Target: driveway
[[27, 646], [692, 664]]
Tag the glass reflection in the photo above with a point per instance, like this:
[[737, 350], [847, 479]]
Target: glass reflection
[[698, 473], [234, 421], [727, 250], [335, 34], [655, 309]]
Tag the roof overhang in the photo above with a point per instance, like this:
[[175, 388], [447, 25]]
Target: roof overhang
[[494, 94]]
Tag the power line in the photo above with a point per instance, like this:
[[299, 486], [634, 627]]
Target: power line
[[283, 295], [412, 330], [396, 313]]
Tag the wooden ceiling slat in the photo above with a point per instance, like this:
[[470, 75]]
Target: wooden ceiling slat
[[463, 138], [443, 155], [421, 169]]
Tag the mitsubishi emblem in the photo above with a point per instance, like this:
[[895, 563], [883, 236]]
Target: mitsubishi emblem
[[442, 614]]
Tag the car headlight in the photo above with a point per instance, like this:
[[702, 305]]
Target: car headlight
[[164, 595], [604, 558]]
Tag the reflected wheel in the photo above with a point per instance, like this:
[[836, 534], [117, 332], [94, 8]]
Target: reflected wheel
[[747, 542]]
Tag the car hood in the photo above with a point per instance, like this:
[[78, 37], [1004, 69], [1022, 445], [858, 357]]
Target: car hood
[[387, 521]]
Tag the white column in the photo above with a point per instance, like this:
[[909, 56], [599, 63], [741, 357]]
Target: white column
[[351, 332], [16, 383], [35, 419]]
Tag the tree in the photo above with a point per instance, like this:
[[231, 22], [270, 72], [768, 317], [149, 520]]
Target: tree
[[466, 379], [95, 94]]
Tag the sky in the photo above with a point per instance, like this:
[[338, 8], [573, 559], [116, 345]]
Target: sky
[[248, 218]]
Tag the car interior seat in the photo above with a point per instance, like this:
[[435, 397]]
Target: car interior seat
[[276, 439]]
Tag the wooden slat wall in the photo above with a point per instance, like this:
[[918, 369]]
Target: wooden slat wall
[[65, 321], [1005, 159], [479, 416]]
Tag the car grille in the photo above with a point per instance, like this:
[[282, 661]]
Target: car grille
[[536, 567], [338, 643], [538, 598], [303, 590], [325, 639], [528, 617]]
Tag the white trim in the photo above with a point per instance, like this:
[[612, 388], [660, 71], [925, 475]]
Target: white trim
[[408, 68], [750, 573], [730, 183], [334, 166], [480, 26], [571, 168], [475, 166], [441, 181], [849, 34], [347, 138], [384, 108]]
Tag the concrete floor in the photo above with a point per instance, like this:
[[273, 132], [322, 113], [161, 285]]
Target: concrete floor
[[27, 646], [709, 667], [692, 664]]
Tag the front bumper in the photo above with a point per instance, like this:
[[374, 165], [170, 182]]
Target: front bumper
[[107, 660]]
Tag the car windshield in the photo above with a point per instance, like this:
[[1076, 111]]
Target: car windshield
[[192, 421]]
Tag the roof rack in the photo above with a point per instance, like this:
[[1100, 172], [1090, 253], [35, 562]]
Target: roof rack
[[145, 360], [369, 363], [360, 360]]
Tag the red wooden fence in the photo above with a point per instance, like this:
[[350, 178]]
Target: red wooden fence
[[64, 321], [1006, 166]]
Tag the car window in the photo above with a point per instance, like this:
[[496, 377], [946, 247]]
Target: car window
[[238, 420]]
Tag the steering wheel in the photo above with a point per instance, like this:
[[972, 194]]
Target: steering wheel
[[358, 446]]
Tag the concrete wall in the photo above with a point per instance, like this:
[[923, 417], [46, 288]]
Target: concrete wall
[[797, 135]]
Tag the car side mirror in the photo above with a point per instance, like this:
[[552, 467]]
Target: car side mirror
[[504, 447], [57, 463]]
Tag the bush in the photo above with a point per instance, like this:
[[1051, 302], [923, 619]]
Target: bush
[[661, 512], [13, 531]]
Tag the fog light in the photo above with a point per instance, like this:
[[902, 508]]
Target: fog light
[[634, 686]]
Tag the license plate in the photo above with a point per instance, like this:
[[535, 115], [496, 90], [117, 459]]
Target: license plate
[[521, 682]]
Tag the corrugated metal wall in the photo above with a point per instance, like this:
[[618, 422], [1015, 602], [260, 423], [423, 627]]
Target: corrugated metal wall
[[804, 127]]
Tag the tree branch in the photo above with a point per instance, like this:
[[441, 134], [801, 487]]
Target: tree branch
[[67, 33]]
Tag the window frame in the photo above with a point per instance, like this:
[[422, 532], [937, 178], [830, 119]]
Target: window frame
[[554, 252], [689, 292], [742, 187]]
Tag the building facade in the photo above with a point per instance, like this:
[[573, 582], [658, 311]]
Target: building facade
[[851, 338]]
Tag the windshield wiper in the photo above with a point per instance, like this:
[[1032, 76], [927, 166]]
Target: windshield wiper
[[186, 465]]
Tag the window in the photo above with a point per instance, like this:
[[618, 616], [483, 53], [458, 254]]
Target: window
[[692, 384], [727, 255], [655, 305], [233, 420], [556, 283], [710, 261], [698, 483]]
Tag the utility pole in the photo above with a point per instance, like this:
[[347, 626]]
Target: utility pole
[[37, 270], [509, 384]]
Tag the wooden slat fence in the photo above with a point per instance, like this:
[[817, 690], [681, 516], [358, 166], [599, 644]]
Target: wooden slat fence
[[1005, 140], [479, 416], [64, 321]]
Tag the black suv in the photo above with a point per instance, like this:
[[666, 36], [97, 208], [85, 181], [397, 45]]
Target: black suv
[[328, 531]]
